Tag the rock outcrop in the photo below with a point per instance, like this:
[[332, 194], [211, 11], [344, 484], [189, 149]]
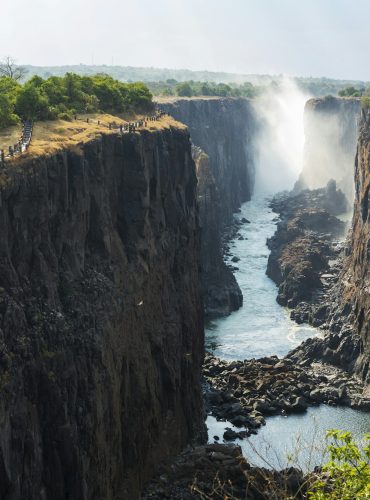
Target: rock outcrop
[[223, 128], [331, 130], [101, 317], [305, 241]]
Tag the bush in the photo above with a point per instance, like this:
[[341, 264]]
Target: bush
[[347, 474], [66, 116], [365, 101]]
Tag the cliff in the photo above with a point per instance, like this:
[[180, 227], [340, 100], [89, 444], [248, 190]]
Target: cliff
[[101, 322], [356, 277], [223, 128], [347, 311], [331, 130]]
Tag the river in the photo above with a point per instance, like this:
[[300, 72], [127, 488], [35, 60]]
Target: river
[[263, 328]]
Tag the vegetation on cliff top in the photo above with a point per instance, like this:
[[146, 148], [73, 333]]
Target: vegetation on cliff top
[[62, 97]]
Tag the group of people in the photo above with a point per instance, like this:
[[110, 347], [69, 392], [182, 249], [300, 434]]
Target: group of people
[[24, 142], [20, 146], [132, 126]]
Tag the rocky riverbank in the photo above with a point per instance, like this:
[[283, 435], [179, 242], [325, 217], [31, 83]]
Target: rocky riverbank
[[305, 250], [245, 392]]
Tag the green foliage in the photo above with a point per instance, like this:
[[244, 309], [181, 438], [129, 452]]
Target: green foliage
[[7, 116], [365, 101], [184, 90], [350, 92], [201, 88], [62, 97], [347, 474], [31, 103]]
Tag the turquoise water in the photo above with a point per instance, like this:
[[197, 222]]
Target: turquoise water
[[263, 328]]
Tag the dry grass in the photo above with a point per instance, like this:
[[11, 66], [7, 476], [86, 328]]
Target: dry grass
[[10, 136], [52, 136]]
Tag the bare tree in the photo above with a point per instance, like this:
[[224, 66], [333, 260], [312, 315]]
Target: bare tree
[[9, 68]]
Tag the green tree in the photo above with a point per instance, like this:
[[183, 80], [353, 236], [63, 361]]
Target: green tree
[[184, 89], [31, 103], [350, 92], [7, 115]]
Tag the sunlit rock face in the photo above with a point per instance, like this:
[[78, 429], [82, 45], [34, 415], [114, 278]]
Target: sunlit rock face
[[101, 317], [224, 130], [331, 130], [356, 279]]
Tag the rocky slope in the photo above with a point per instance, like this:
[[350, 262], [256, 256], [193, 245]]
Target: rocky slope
[[101, 317], [331, 130], [223, 129]]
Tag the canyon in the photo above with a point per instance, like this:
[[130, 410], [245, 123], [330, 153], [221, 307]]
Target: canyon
[[113, 254], [222, 132]]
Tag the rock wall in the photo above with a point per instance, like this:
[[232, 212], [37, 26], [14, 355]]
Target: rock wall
[[224, 130], [356, 277], [347, 316], [331, 130], [101, 317]]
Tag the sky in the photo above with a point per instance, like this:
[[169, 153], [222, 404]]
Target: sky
[[294, 37]]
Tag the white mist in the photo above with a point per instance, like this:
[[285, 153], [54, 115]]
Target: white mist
[[280, 140]]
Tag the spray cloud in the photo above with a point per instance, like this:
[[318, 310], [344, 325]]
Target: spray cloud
[[280, 140]]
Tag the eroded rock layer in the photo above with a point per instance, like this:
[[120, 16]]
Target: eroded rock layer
[[101, 317]]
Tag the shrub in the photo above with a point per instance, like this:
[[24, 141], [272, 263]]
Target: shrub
[[365, 101], [68, 116], [347, 474]]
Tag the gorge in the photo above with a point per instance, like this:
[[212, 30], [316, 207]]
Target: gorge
[[109, 250]]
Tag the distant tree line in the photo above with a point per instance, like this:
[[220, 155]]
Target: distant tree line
[[63, 97], [191, 88]]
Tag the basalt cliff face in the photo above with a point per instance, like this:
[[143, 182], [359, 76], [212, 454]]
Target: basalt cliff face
[[346, 311], [101, 317], [222, 131], [331, 131], [356, 277]]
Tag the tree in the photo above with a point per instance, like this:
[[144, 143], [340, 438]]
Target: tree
[[31, 103], [184, 89], [7, 116], [350, 92], [10, 69]]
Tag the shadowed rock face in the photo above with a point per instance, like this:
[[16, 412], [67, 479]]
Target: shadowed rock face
[[223, 129], [101, 322], [331, 130]]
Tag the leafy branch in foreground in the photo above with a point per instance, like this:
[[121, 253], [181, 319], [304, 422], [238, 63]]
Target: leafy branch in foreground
[[346, 476]]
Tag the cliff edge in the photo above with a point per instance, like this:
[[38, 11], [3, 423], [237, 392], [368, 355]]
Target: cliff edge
[[101, 317]]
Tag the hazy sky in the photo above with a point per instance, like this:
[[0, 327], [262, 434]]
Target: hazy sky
[[296, 37]]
